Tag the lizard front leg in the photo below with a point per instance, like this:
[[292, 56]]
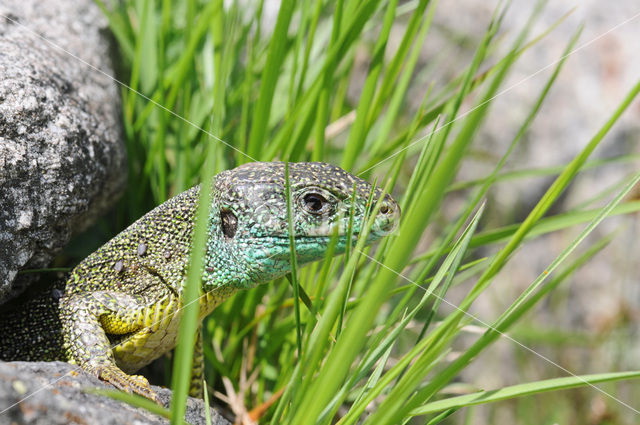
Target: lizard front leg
[[86, 317]]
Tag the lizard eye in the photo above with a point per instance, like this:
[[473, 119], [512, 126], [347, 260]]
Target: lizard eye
[[228, 222], [314, 203]]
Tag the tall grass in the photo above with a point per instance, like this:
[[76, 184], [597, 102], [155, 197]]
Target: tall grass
[[237, 90]]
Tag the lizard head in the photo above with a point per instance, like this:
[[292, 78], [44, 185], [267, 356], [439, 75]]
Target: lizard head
[[248, 239]]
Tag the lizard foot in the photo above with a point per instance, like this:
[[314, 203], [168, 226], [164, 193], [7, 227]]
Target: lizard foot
[[136, 384]]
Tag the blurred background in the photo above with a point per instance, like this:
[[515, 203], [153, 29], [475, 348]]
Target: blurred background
[[591, 323]]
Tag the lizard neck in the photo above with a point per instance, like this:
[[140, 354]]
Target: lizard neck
[[212, 299]]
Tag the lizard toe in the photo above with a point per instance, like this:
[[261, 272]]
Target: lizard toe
[[135, 384]]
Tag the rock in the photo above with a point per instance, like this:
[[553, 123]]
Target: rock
[[62, 156], [55, 393]]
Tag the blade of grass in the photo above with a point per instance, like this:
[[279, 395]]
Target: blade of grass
[[552, 224], [322, 109], [396, 64], [304, 112], [400, 91], [135, 401], [275, 59], [359, 130], [347, 254], [294, 259], [521, 390], [555, 190], [190, 307], [307, 51], [120, 28], [248, 82], [542, 171], [176, 75]]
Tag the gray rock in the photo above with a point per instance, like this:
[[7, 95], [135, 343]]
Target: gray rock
[[62, 156], [55, 393]]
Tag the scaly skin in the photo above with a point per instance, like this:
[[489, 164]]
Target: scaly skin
[[120, 307]]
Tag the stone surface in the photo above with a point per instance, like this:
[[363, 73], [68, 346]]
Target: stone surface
[[62, 157], [56, 393]]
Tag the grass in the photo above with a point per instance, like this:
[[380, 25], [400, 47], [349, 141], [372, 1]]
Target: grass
[[233, 90]]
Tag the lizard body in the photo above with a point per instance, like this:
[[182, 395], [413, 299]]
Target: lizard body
[[119, 309]]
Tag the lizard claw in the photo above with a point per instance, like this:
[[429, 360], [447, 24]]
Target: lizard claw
[[136, 384]]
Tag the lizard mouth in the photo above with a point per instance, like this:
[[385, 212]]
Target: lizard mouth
[[302, 240]]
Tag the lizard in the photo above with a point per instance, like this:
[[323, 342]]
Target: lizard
[[119, 308]]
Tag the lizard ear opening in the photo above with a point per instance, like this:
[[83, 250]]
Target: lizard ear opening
[[228, 222]]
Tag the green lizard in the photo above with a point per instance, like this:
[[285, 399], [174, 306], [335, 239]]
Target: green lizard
[[119, 308]]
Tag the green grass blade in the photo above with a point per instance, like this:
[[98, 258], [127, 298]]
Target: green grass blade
[[543, 226], [396, 64], [359, 130], [190, 306], [542, 171], [293, 258], [135, 401], [275, 59], [322, 109], [521, 390], [400, 91], [352, 338]]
